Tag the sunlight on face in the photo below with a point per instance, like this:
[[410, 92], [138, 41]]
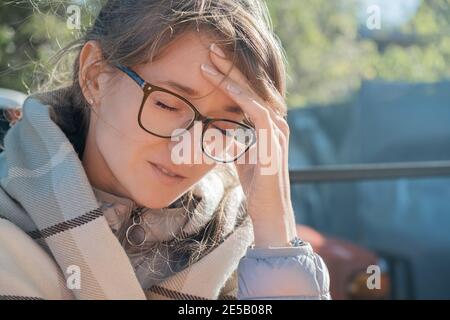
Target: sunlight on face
[[131, 162]]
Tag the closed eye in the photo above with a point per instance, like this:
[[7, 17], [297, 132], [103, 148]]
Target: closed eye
[[166, 107]]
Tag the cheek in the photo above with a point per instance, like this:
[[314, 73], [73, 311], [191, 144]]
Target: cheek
[[120, 108], [120, 111], [117, 151], [125, 159], [124, 154]]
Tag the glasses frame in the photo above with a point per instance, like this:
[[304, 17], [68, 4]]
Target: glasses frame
[[148, 88]]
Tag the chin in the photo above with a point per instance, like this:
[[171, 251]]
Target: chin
[[153, 200], [156, 195], [154, 204]]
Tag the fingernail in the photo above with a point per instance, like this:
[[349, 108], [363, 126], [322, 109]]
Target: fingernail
[[233, 89], [215, 48], [209, 69]]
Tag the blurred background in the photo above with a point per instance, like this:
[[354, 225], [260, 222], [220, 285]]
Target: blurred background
[[369, 99]]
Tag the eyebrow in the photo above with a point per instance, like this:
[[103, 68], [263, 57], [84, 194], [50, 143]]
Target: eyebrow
[[192, 92], [180, 87]]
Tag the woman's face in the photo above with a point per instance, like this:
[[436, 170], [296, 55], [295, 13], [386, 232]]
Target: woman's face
[[120, 157]]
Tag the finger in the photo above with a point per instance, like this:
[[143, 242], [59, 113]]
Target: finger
[[257, 113], [228, 68], [278, 101], [281, 123], [283, 129]]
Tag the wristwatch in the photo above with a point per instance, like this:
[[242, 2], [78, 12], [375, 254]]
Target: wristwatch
[[297, 242]]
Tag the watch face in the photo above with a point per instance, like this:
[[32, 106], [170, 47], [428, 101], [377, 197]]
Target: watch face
[[297, 242]]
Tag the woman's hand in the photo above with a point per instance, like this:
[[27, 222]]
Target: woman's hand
[[265, 180]]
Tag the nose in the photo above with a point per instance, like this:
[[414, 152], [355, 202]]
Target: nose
[[186, 148]]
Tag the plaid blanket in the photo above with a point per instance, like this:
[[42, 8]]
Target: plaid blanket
[[52, 228]]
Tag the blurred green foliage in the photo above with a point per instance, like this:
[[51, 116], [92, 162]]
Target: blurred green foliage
[[328, 47], [330, 51], [31, 32]]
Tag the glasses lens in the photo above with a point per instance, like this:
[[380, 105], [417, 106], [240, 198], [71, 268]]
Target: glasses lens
[[226, 141], [163, 113]]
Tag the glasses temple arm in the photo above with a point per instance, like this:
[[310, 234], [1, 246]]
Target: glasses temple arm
[[133, 75]]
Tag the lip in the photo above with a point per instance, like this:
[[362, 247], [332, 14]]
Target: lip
[[164, 177]]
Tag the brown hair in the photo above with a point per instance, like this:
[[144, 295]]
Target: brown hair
[[132, 32]]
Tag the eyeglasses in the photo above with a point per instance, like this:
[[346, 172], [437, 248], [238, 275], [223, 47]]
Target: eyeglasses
[[162, 113]]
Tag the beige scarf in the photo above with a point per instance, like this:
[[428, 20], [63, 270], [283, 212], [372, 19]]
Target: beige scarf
[[45, 192]]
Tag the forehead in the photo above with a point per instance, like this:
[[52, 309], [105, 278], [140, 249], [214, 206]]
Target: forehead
[[180, 62]]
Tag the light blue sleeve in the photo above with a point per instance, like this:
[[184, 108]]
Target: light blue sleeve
[[282, 273]]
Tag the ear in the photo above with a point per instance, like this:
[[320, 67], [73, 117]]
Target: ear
[[91, 63]]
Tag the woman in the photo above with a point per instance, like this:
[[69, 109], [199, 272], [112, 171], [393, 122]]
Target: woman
[[109, 190]]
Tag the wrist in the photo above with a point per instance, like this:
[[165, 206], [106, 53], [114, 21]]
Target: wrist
[[273, 234]]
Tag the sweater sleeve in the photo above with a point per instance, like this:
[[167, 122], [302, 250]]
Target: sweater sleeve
[[282, 273]]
